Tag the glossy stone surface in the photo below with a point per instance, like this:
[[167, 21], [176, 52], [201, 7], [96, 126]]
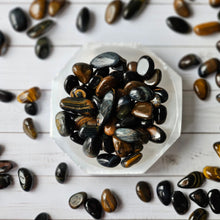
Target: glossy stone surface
[[40, 28], [189, 61], [214, 200], [70, 82], [3, 43], [77, 199], [94, 82], [129, 121], [80, 92], [214, 3], [83, 20], [143, 191], [108, 160], [180, 202], [5, 180], [93, 207], [127, 134], [201, 88], [31, 108], [212, 173], [208, 28], [199, 214], [133, 8], [199, 197], [82, 120], [131, 160], [217, 79], [107, 144], [88, 131], [92, 146], [42, 48], [162, 93], [160, 114], [42, 216], [156, 101], [123, 107], [6, 96], [193, 180], [157, 135], [143, 110], [18, 19], [76, 138], [110, 127], [164, 192], [141, 94], [97, 101], [216, 147], [26, 179], [178, 25], [61, 172], [181, 7], [29, 128], [37, 9], [30, 95], [55, 6], [132, 85], [108, 201], [113, 11], [209, 67], [132, 66], [155, 79], [5, 166]]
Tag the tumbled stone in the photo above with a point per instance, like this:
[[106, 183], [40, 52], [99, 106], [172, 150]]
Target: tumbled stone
[[6, 96], [156, 101], [97, 101], [130, 76], [29, 128], [107, 144], [214, 200], [26, 179], [113, 11], [209, 67], [143, 110], [80, 92], [82, 120], [92, 146], [208, 28], [199, 197], [132, 66], [89, 130], [18, 19], [216, 147], [141, 94], [94, 82], [199, 214], [155, 79], [178, 25], [164, 192], [123, 107], [42, 48], [5, 166], [55, 6], [218, 46], [61, 172], [129, 121], [201, 88], [217, 79], [160, 114], [102, 71], [77, 199], [83, 20], [110, 127], [70, 82], [93, 207], [40, 28], [76, 138], [212, 173], [5, 180], [132, 85], [131, 160], [108, 201], [127, 134], [147, 123], [37, 9], [214, 3], [31, 108], [3, 44], [42, 216], [189, 61], [108, 160], [180, 202], [143, 191], [218, 97], [157, 135], [30, 95], [193, 180], [162, 93], [182, 8]]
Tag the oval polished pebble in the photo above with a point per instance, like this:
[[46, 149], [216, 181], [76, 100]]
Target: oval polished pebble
[[6, 96], [5, 180], [160, 114], [40, 28], [199, 197], [30, 95], [143, 191], [37, 9], [83, 20], [214, 200], [214, 3], [201, 88], [164, 192], [3, 44], [143, 110], [193, 180], [113, 11], [189, 61], [80, 92], [108, 201], [133, 8], [123, 107], [77, 199], [132, 66], [162, 93], [31, 108], [128, 135], [132, 85], [107, 144], [129, 121], [26, 179], [110, 127], [212, 173], [155, 79], [199, 214], [70, 82], [42, 48], [76, 138], [55, 6], [217, 79], [93, 207], [208, 28], [141, 94], [216, 147], [180, 202], [29, 128], [182, 8], [210, 66], [94, 82], [18, 19], [61, 172], [43, 216], [178, 25], [157, 135], [108, 160], [82, 120], [89, 130], [92, 146], [5, 166], [131, 160]]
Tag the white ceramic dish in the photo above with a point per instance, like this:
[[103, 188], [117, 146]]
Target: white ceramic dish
[[171, 81]]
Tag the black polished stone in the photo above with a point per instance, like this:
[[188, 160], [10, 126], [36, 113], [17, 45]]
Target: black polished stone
[[108, 160], [88, 131], [199, 197], [129, 121], [3, 43], [97, 101], [214, 200], [94, 81], [160, 114], [6, 96], [162, 93], [119, 76], [164, 192], [155, 79], [180, 202], [92, 146], [42, 48], [26, 179], [5, 180], [93, 207], [70, 82], [132, 76], [76, 138], [128, 135], [157, 135], [141, 94], [42, 216], [102, 72], [107, 144], [199, 214], [83, 20], [31, 108], [61, 172], [189, 61]]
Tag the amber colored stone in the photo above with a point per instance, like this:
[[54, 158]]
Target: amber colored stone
[[210, 66], [37, 9], [113, 11], [108, 201], [55, 6], [214, 3], [132, 85], [132, 66], [83, 71], [143, 110], [110, 127], [30, 95], [131, 160], [122, 148], [216, 147], [81, 120], [29, 128], [181, 8], [143, 191], [207, 28], [201, 88], [212, 173]]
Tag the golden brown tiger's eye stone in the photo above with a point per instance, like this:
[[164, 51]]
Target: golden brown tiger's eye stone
[[113, 11], [132, 85], [143, 110], [37, 9], [81, 120], [29, 128], [212, 173], [143, 191], [131, 160], [216, 147], [110, 127], [207, 28], [55, 6], [108, 201], [181, 8], [201, 88], [132, 66], [30, 95], [83, 71], [214, 3]]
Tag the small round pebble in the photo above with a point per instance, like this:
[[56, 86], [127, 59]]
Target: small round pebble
[[31, 108]]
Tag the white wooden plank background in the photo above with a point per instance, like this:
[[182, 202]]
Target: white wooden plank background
[[20, 69]]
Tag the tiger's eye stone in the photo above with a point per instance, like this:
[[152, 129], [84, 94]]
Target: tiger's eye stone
[[164, 192], [160, 114], [93, 207], [108, 160], [143, 110], [157, 135], [210, 66], [218, 97], [43, 216], [214, 200], [122, 148], [145, 67], [83, 71], [201, 88], [30, 95], [26, 179], [212, 173], [128, 135], [80, 92], [94, 82], [5, 166], [141, 94], [31, 108], [113, 11], [42, 48], [107, 144], [55, 6], [182, 8], [92, 146], [88, 130], [216, 147], [5, 180], [143, 191], [61, 172], [155, 79], [214, 3], [132, 85], [132, 66], [76, 138], [97, 101], [108, 201], [70, 82], [208, 28], [199, 214], [82, 120], [131, 160], [29, 128], [3, 43], [189, 61], [40, 28], [180, 202], [83, 20], [162, 93], [37, 9], [77, 199], [199, 197], [6, 96], [110, 127], [193, 180]]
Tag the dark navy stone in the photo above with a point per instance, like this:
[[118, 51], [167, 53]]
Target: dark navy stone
[[61, 172], [31, 108], [93, 207], [83, 20], [92, 146], [180, 202], [108, 160], [42, 48], [164, 192], [141, 94], [199, 197], [70, 82]]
